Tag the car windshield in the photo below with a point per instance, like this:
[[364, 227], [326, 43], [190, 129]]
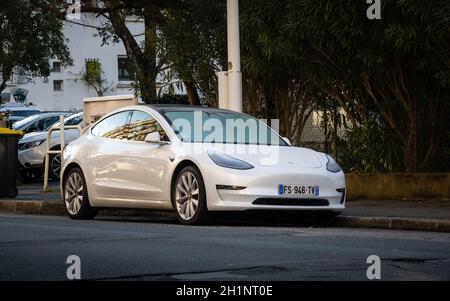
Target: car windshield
[[71, 120], [22, 123], [221, 127]]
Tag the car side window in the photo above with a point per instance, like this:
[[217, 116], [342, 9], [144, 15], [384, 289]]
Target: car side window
[[74, 121], [142, 124], [50, 121], [113, 127], [40, 125], [34, 127]]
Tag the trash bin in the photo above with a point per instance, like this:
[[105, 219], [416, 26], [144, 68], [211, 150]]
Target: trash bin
[[8, 162]]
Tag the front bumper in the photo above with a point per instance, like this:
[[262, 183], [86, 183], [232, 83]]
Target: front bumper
[[261, 192]]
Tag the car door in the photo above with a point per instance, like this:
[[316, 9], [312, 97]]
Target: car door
[[144, 167], [104, 157], [124, 166]]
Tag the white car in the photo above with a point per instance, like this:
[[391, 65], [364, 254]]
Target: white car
[[32, 146], [189, 159]]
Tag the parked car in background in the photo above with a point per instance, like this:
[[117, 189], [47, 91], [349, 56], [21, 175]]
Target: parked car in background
[[38, 122], [17, 113], [32, 149]]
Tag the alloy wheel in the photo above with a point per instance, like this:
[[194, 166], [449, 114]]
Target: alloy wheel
[[55, 165], [187, 195], [73, 193]]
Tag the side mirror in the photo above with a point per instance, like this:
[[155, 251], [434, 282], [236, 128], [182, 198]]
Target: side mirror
[[155, 138], [286, 139]]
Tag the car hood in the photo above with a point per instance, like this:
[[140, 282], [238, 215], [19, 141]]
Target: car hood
[[279, 156]]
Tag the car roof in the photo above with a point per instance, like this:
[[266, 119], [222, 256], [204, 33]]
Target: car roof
[[18, 109], [162, 108], [46, 114], [33, 118]]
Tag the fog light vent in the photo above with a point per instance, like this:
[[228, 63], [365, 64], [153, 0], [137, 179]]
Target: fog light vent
[[229, 187]]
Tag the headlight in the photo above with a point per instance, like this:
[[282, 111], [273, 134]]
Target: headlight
[[32, 144], [332, 165], [228, 161]]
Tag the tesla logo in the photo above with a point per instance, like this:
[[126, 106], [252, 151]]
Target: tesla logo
[[290, 162], [374, 270], [74, 269]]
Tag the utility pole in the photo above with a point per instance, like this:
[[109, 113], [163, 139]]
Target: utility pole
[[230, 82]]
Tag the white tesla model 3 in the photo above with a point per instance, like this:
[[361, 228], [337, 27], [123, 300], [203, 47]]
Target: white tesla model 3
[[194, 160]]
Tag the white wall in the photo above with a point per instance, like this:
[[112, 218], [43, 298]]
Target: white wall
[[83, 45]]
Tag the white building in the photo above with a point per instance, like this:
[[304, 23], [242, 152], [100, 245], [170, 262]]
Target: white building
[[64, 89]]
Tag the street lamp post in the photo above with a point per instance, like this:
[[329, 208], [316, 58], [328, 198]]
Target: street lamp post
[[230, 82], [234, 57]]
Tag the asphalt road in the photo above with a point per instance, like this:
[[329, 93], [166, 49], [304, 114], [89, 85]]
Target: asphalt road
[[36, 248]]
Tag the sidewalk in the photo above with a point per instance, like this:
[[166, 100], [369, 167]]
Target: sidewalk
[[428, 215]]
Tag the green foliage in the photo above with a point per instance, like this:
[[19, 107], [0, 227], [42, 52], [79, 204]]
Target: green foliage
[[368, 149], [173, 99], [192, 43], [93, 77], [29, 39], [395, 70]]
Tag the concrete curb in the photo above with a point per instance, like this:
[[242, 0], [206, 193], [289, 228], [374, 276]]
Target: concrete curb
[[392, 223], [32, 207]]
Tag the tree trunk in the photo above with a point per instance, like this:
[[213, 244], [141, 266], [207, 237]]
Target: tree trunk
[[192, 94], [3, 85], [410, 150], [6, 74], [148, 62], [141, 63], [271, 108]]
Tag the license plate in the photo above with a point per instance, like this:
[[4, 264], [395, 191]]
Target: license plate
[[310, 190]]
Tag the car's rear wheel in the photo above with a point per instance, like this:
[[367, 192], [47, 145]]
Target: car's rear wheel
[[76, 199], [189, 197]]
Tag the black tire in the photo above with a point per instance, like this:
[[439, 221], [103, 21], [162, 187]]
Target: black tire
[[85, 210], [13, 192], [201, 213]]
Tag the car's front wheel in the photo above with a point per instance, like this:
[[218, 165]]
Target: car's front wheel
[[76, 199], [189, 197], [55, 166]]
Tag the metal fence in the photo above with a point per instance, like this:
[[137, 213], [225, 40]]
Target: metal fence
[[379, 149]]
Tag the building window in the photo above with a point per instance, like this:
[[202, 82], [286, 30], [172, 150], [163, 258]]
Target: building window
[[56, 67], [57, 85], [123, 70]]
